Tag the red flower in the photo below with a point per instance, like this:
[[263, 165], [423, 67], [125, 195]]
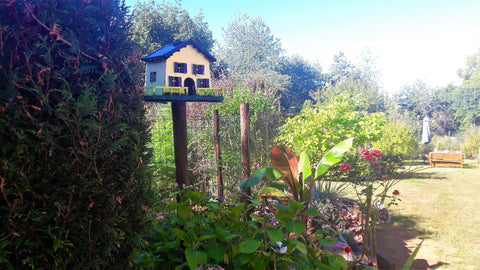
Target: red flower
[[385, 177], [364, 152], [375, 163], [346, 167], [367, 157], [377, 153], [396, 192], [348, 249]]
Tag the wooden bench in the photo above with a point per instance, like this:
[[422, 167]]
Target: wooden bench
[[446, 159]]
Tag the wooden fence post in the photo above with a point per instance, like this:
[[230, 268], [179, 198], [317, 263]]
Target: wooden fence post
[[179, 116], [218, 158], [245, 133]]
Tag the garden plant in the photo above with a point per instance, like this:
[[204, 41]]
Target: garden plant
[[74, 174]]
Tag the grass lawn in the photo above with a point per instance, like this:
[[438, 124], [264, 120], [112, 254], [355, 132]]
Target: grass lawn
[[443, 206]]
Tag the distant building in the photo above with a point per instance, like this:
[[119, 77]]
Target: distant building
[[179, 71]]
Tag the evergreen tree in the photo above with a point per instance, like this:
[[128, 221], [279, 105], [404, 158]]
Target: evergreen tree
[[74, 176]]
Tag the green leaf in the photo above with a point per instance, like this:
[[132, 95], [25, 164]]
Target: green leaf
[[249, 246], [304, 167], [296, 207], [270, 191], [205, 237], [297, 226], [295, 244], [326, 242], [196, 196], [311, 212], [337, 262], [184, 210], [333, 156], [216, 251], [268, 173], [182, 235], [194, 258], [275, 234], [412, 257], [260, 264]]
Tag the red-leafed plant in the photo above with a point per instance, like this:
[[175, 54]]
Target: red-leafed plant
[[296, 173]]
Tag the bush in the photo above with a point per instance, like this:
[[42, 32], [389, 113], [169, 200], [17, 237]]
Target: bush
[[74, 180], [199, 233], [397, 139], [318, 129], [471, 139]]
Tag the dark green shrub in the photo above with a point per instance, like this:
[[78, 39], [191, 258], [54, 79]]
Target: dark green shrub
[[201, 233], [73, 161]]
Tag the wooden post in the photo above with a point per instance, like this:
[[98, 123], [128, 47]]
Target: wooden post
[[179, 115], [245, 132], [218, 159]]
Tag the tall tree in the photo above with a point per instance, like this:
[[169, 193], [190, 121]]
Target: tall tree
[[250, 46], [357, 82], [158, 24], [305, 78], [443, 115], [417, 98], [471, 73]]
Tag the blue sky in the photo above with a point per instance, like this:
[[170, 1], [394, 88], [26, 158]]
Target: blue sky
[[410, 39]]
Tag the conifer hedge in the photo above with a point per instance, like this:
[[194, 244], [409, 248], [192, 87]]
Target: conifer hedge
[[73, 157]]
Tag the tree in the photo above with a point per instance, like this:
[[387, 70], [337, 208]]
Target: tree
[[74, 175], [156, 25], [360, 83], [471, 74], [341, 69], [443, 118], [250, 46], [417, 98], [305, 78]]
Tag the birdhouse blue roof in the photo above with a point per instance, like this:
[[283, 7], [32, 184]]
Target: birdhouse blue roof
[[167, 51]]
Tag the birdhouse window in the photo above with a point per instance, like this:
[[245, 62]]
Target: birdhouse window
[[198, 69], [203, 83], [153, 76], [174, 81], [180, 67]]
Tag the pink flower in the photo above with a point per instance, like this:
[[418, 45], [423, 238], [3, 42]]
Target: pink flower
[[385, 177], [346, 167], [348, 249], [364, 152], [367, 157], [396, 192], [377, 153], [375, 163]]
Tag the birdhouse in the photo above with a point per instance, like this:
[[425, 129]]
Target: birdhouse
[[180, 72]]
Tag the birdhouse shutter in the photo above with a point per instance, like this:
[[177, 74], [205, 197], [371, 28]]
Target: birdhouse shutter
[[175, 67], [179, 81], [184, 67], [199, 83], [170, 81], [202, 69], [207, 83], [194, 69]]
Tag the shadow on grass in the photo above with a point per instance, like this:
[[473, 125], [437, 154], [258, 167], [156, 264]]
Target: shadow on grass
[[420, 173], [409, 223], [398, 240]]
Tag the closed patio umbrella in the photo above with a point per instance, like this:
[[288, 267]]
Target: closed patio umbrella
[[426, 138]]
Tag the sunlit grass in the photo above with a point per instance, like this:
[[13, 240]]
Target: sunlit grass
[[442, 204]]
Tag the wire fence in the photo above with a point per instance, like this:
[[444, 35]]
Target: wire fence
[[201, 154]]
